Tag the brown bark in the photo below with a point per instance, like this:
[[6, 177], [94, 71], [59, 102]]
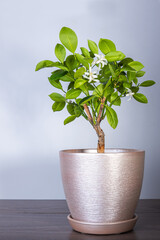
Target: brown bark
[[100, 110], [101, 139], [99, 131]]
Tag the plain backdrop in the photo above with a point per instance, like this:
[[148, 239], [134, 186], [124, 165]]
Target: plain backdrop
[[31, 135]]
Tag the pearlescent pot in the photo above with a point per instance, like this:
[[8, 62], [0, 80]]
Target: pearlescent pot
[[102, 188]]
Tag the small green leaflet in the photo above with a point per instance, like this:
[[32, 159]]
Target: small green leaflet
[[58, 106], [147, 83], [69, 119], [68, 38], [44, 64], [79, 72], [70, 108], [106, 45], [57, 97], [114, 56], [60, 52], [85, 99], [140, 98], [140, 74], [55, 83], [85, 52], [111, 117], [93, 46], [79, 82], [56, 75], [136, 65], [73, 93]]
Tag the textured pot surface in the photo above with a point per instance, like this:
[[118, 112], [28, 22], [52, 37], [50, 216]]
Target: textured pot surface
[[102, 187]]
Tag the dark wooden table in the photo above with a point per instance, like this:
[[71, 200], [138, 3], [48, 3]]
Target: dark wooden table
[[46, 220]]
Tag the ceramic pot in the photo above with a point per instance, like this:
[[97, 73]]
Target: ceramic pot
[[102, 188]]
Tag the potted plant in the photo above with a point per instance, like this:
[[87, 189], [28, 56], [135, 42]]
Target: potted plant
[[102, 186]]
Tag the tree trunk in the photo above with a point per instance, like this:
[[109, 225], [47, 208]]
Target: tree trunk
[[101, 139]]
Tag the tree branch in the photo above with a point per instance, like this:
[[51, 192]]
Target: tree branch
[[90, 119], [100, 110]]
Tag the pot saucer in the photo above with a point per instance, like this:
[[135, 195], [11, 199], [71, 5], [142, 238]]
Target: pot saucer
[[103, 228]]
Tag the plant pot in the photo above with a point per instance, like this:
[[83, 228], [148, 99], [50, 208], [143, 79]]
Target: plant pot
[[102, 189]]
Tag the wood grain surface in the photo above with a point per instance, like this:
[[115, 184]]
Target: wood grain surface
[[47, 220]]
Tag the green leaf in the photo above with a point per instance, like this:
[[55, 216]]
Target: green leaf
[[117, 102], [115, 56], [112, 71], [90, 87], [57, 97], [55, 83], [127, 68], [114, 96], [70, 86], [135, 80], [79, 82], [44, 64], [67, 78], [77, 111], [60, 65], [98, 91], [106, 45], [140, 74], [71, 62], [79, 72], [140, 98], [93, 46], [147, 83], [127, 85], [73, 93], [122, 78], [56, 75], [82, 60], [108, 91], [68, 38], [60, 52], [69, 119], [125, 61], [70, 108], [58, 106], [85, 52], [111, 117], [136, 65], [86, 99], [131, 76]]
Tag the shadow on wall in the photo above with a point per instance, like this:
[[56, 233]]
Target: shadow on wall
[[41, 180]]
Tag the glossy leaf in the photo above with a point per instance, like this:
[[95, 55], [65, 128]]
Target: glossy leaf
[[114, 96], [122, 78], [140, 74], [68, 38], [69, 119], [60, 52], [82, 60], [79, 82], [117, 102], [147, 83], [131, 76], [85, 52], [93, 46], [106, 45], [55, 83], [44, 64], [77, 111], [140, 98], [57, 97], [98, 91], [125, 61], [136, 65], [56, 75], [67, 78], [58, 106], [108, 91], [73, 93], [85, 99], [114, 56], [70, 108], [71, 62], [79, 72], [111, 117]]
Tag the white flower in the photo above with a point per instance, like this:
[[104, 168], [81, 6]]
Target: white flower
[[91, 75], [129, 94], [100, 60]]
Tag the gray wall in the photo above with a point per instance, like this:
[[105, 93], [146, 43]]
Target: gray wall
[[30, 133]]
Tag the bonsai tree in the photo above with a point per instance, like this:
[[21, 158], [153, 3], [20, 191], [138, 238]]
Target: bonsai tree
[[96, 81]]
